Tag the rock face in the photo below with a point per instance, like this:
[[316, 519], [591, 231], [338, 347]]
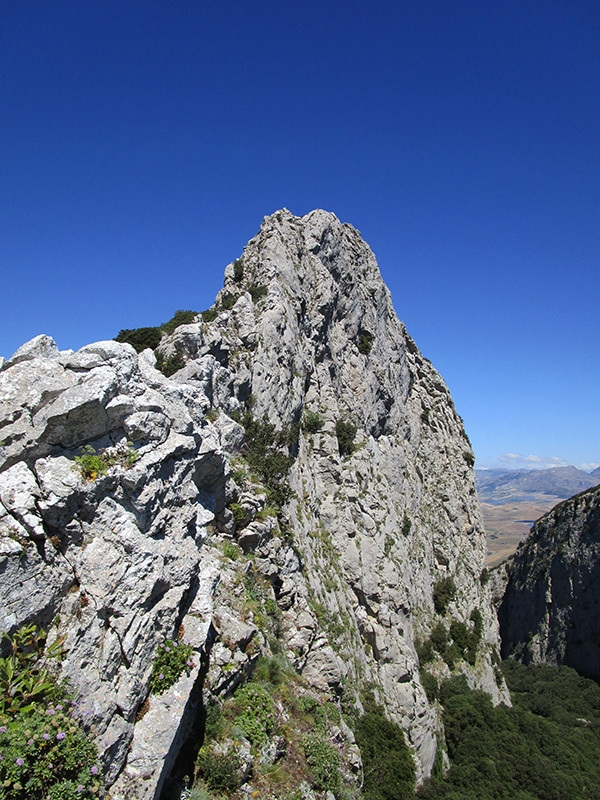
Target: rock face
[[367, 463], [550, 612]]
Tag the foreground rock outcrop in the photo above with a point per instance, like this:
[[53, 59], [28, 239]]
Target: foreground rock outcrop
[[306, 457], [550, 611]]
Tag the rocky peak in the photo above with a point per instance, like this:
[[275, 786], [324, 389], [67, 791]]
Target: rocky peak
[[306, 465]]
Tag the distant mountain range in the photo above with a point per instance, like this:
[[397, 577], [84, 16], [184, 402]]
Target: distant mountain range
[[500, 486]]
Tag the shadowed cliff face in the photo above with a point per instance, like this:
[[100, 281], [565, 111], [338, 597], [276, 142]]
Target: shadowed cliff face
[[550, 612], [362, 451]]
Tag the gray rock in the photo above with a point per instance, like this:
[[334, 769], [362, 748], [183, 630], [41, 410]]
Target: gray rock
[[549, 611], [370, 527]]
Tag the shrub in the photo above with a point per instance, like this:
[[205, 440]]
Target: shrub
[[431, 686], [241, 515], [469, 458], [547, 745], [444, 592], [179, 318], [256, 716], [169, 366], [231, 550], [45, 753], [406, 524], [238, 270], [171, 661], [228, 301], [91, 464], [140, 338], [346, 433], [23, 680], [324, 762], [389, 770], [210, 314], [263, 451], [365, 342], [219, 770], [257, 292], [313, 422]]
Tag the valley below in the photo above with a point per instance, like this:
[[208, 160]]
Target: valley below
[[507, 525]]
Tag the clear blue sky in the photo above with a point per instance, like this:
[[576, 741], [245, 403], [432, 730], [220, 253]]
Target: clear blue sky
[[142, 142]]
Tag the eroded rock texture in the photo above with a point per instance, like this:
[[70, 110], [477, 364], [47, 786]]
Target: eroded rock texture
[[550, 612], [378, 505]]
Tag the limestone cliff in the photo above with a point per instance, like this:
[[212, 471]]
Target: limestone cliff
[[550, 609], [306, 432]]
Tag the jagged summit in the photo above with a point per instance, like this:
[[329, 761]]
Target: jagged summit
[[305, 431]]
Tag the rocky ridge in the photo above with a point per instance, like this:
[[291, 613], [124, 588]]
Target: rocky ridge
[[549, 608], [367, 509]]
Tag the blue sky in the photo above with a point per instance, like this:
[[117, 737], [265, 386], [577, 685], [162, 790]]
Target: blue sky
[[142, 142]]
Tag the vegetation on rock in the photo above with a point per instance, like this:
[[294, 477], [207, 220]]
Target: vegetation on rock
[[389, 769], [346, 433], [172, 659], [92, 464], [45, 753], [547, 745]]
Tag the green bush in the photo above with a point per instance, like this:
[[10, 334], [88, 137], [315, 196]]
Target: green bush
[[263, 449], [140, 338], [346, 433], [406, 524], [210, 314], [365, 342], [389, 770], [313, 422], [444, 592], [172, 659], [238, 270], [256, 713], [547, 745], [169, 366], [431, 686], [231, 550], [23, 680], [44, 751], [324, 762], [220, 771], [257, 292], [179, 318], [228, 301], [92, 464]]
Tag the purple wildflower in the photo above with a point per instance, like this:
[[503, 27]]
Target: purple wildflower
[[59, 708], [3, 728], [51, 712], [161, 677], [19, 762], [61, 735], [30, 742], [167, 649], [79, 789], [94, 770], [46, 736]]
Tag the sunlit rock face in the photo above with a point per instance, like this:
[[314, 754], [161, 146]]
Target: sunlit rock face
[[550, 612], [377, 503]]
